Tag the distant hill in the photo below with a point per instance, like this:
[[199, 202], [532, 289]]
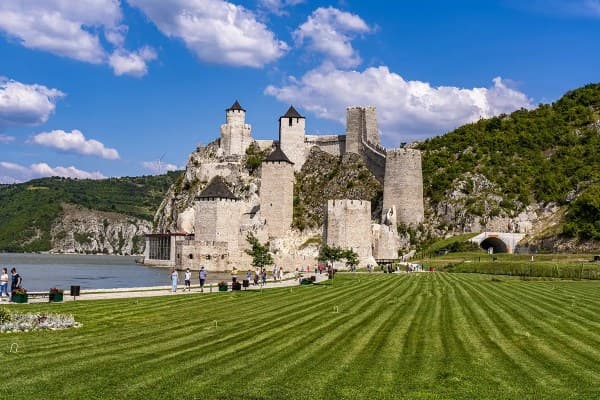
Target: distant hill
[[549, 155], [29, 210]]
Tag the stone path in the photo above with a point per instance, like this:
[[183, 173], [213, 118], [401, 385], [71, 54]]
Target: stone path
[[125, 293]]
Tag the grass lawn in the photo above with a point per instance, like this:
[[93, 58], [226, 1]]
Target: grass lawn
[[381, 336], [568, 266]]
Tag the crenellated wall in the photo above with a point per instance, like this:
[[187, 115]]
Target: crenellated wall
[[349, 226], [332, 144]]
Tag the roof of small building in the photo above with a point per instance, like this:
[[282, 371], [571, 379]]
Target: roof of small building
[[236, 106], [292, 113], [216, 189], [278, 155]]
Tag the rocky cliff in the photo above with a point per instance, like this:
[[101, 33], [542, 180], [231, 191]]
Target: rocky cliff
[[81, 230]]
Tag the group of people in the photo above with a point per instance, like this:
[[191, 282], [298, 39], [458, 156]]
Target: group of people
[[256, 277], [15, 283], [187, 279]]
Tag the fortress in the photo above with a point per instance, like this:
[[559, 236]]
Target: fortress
[[213, 231]]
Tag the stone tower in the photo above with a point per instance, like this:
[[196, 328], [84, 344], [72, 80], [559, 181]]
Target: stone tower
[[277, 193], [361, 125], [349, 227], [235, 132], [217, 215], [403, 186], [291, 136]]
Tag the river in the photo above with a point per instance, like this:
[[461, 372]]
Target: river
[[41, 272]]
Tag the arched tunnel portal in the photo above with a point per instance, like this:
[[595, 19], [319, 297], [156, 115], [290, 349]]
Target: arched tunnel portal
[[497, 244]]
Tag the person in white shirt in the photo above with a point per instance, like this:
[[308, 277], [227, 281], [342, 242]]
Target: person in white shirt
[[188, 280]]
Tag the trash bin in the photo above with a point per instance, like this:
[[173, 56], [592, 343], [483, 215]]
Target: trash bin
[[245, 283], [75, 290]]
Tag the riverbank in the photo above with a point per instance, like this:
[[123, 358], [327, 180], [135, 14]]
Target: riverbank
[[153, 291]]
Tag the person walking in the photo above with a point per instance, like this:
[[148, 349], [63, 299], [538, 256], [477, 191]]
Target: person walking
[[16, 281], [187, 280], [4, 284], [255, 278], [202, 277], [264, 276], [174, 278], [280, 273], [275, 273]]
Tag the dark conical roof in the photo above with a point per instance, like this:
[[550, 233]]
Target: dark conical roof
[[292, 113], [216, 189], [278, 155], [236, 106]]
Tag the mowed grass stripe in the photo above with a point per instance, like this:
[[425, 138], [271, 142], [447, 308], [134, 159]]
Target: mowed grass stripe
[[558, 365], [510, 366], [562, 322], [230, 352]]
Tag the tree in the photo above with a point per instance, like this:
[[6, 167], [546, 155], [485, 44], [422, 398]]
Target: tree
[[259, 252], [334, 253]]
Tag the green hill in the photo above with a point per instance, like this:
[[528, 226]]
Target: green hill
[[549, 154], [29, 209]]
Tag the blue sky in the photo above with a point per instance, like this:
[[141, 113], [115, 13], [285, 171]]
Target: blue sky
[[99, 88]]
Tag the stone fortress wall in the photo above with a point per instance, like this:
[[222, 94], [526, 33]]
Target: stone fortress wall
[[403, 185], [221, 221], [348, 226], [277, 197]]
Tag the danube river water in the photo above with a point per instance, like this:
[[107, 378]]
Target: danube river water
[[43, 271]]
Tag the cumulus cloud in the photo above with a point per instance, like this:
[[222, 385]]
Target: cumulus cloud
[[23, 104], [157, 167], [74, 142], [216, 31], [6, 139], [330, 31], [66, 28], [407, 110], [124, 62], [14, 173], [277, 7], [60, 27]]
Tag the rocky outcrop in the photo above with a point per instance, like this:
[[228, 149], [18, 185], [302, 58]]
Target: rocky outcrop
[[80, 230]]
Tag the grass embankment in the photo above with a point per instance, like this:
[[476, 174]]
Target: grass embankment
[[391, 336], [566, 266]]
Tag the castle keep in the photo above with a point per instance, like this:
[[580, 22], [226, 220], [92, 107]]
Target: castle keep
[[212, 231]]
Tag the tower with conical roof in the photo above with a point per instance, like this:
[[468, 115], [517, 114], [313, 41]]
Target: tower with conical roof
[[291, 136], [277, 193], [235, 132], [217, 215]]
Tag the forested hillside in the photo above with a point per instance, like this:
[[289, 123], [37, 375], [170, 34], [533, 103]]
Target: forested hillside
[[29, 210], [547, 155]]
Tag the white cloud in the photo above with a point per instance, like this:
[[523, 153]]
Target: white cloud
[[61, 27], [6, 139], [277, 6], [131, 63], [330, 31], [74, 142], [22, 104], [216, 31], [11, 172], [407, 110], [70, 29], [158, 168]]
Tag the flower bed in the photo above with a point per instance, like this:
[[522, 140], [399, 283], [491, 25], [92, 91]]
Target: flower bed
[[18, 322]]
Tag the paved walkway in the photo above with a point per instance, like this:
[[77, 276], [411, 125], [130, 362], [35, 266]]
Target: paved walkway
[[125, 293]]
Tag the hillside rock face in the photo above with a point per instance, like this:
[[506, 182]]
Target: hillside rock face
[[80, 230]]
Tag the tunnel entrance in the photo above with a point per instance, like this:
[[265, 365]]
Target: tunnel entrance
[[497, 244]]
